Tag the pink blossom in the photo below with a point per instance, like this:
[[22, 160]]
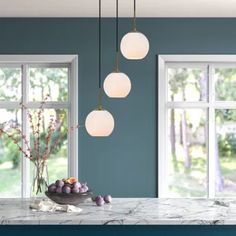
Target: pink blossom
[[34, 152]]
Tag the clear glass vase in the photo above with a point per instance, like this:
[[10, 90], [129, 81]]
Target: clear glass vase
[[40, 179]]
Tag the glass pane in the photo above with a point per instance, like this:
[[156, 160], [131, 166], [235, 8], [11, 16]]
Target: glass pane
[[187, 153], [52, 81], [10, 84], [225, 172], [58, 158], [187, 84], [225, 84], [10, 157]]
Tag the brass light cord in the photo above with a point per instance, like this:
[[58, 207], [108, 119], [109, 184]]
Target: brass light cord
[[100, 99], [117, 61], [134, 19]]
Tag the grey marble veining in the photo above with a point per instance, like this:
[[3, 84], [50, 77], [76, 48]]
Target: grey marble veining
[[131, 211]]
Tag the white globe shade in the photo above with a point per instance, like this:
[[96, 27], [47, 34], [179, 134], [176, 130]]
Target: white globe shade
[[117, 85], [99, 123], [134, 46]]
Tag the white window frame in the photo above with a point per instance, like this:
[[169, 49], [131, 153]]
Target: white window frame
[[208, 63], [72, 105]]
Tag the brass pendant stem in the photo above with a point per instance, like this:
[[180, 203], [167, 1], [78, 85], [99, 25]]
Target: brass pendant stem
[[100, 99], [117, 62]]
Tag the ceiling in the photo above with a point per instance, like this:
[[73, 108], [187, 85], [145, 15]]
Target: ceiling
[[145, 8]]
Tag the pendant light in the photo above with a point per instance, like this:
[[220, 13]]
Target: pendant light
[[134, 45], [99, 122], [117, 84]]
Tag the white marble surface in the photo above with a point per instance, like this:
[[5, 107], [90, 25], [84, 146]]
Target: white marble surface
[[131, 211]]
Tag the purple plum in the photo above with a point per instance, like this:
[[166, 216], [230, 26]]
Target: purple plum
[[107, 198], [99, 201], [84, 189], [75, 190], [66, 189], [52, 188], [98, 197], [60, 183], [59, 190], [77, 185]]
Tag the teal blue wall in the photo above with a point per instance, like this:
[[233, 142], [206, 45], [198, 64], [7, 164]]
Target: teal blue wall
[[125, 163]]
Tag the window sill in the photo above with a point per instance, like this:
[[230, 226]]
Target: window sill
[[128, 211]]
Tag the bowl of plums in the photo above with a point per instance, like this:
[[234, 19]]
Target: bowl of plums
[[68, 191]]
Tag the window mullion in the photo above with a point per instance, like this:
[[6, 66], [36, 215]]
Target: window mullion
[[25, 170], [211, 134], [185, 105], [48, 105], [9, 105]]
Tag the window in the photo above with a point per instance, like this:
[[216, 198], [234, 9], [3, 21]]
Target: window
[[197, 126], [29, 79]]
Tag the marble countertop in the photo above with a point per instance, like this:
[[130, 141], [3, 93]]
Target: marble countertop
[[131, 211]]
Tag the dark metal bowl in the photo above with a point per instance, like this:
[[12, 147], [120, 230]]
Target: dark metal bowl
[[69, 198]]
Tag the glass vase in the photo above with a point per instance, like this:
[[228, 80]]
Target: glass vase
[[40, 179]]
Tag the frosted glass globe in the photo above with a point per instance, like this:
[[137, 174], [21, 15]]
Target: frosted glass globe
[[134, 46], [99, 123], [117, 85]]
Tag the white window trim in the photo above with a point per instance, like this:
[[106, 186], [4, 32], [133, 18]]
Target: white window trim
[[163, 104], [48, 60]]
